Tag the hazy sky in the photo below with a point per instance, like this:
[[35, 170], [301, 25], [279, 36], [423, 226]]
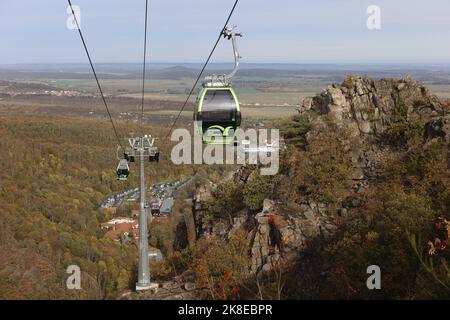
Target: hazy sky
[[284, 31]]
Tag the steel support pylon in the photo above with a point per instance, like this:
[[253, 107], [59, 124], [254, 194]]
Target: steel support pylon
[[142, 145], [143, 268]]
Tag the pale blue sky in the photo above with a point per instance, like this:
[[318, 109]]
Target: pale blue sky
[[276, 31]]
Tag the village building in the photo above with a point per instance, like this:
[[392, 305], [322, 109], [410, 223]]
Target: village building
[[120, 227]]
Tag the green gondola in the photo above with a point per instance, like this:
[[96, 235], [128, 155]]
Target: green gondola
[[123, 170], [218, 115], [217, 112]]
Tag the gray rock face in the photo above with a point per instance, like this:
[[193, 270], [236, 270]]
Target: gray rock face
[[311, 221], [365, 106], [169, 290], [189, 286]]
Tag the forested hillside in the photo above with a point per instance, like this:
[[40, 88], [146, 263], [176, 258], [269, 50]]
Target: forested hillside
[[54, 173]]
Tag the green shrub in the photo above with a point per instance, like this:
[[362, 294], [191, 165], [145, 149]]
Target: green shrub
[[256, 190], [226, 200], [294, 131], [403, 131]]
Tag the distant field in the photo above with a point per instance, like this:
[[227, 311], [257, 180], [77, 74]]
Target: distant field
[[264, 94], [263, 98], [268, 112], [277, 91], [246, 95], [441, 90], [253, 113]]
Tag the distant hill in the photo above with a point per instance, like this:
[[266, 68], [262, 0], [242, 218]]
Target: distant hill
[[431, 74]]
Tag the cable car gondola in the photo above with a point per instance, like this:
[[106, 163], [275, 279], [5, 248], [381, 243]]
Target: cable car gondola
[[217, 107], [123, 170]]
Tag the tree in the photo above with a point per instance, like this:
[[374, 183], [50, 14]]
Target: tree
[[226, 200], [257, 189]]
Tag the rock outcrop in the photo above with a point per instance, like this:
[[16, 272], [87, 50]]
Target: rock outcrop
[[365, 106], [294, 229], [168, 290]]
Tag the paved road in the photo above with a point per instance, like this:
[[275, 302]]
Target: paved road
[[159, 191]]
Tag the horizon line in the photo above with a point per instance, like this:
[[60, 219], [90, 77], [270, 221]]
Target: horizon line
[[230, 62]]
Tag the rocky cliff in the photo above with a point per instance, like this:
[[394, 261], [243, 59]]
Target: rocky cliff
[[366, 106], [364, 111]]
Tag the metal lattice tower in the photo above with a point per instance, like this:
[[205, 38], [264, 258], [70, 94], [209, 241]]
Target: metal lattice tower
[[143, 146]]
